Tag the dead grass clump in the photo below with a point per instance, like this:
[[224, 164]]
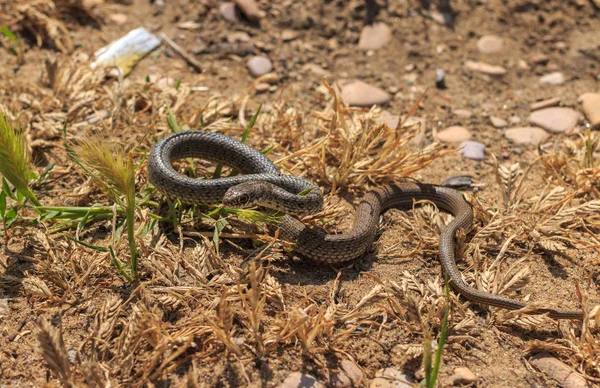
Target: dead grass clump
[[347, 148], [45, 20]]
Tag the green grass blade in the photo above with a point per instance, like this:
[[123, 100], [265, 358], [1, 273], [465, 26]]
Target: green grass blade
[[8, 33], [88, 245], [251, 124]]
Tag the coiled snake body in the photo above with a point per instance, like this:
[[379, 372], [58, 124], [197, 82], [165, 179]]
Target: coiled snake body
[[263, 184]]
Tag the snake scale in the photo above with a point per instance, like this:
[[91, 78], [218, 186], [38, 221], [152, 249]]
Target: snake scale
[[263, 184]]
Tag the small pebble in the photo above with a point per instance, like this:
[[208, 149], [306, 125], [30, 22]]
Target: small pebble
[[472, 150], [411, 78], [458, 181], [238, 36], [229, 12], [118, 18], [498, 122], [349, 375], [250, 9], [485, 68], [555, 78], [389, 119], [358, 93], [4, 308], [262, 87], [315, 69], [463, 376], [300, 380], [526, 135], [454, 134], [440, 80], [523, 65], [259, 65], [545, 103], [558, 371], [555, 120], [288, 35], [488, 106], [489, 44], [463, 113], [391, 378], [540, 59], [514, 119], [72, 355], [591, 108], [374, 36]]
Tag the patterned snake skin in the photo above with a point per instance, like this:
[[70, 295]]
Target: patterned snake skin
[[262, 178]]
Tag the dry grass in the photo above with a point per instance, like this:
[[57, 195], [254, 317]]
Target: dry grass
[[231, 310]]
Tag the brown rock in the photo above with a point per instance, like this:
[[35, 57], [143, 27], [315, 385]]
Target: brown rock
[[463, 376], [454, 134], [374, 36], [558, 371], [486, 68], [118, 18], [300, 380], [463, 113], [498, 122], [591, 108], [288, 35], [526, 135], [250, 9], [4, 308], [545, 103], [555, 120], [262, 87], [358, 93]]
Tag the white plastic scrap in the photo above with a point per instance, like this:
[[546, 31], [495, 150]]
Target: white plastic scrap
[[124, 53]]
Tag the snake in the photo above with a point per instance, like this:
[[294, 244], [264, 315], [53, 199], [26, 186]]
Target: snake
[[259, 182]]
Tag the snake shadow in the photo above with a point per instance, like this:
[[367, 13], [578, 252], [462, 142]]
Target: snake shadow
[[301, 271]]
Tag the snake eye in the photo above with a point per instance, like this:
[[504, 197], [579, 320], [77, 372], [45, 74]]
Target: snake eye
[[244, 198]]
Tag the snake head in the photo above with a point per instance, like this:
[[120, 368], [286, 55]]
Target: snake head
[[247, 194]]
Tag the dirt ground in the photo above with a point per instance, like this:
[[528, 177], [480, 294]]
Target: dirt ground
[[200, 317]]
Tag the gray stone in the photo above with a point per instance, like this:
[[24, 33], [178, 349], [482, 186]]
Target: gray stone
[[374, 36], [489, 44], [472, 150], [526, 135], [391, 378], [259, 65], [555, 78], [358, 93], [229, 12], [556, 120]]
